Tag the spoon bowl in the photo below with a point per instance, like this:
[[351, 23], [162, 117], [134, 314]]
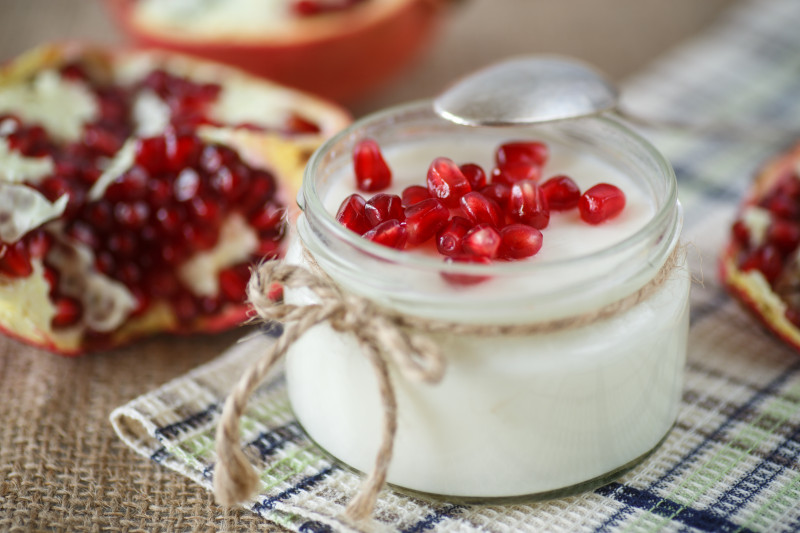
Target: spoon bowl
[[527, 90]]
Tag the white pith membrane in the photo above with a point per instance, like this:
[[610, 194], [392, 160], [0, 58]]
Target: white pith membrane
[[26, 309]]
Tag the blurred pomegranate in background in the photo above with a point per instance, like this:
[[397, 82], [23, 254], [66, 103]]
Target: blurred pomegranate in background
[[338, 49]]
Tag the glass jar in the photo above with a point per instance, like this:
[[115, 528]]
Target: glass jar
[[523, 415]]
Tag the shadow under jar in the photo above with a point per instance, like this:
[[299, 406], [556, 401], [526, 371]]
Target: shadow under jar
[[528, 415]]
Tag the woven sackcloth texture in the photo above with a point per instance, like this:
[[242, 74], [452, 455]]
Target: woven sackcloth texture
[[731, 462]]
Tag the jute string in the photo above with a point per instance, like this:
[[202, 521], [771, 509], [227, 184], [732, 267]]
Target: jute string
[[384, 336]]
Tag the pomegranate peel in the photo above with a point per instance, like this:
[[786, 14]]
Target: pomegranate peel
[[112, 231], [773, 302]]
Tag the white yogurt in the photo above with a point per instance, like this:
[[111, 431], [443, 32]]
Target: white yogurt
[[514, 415]]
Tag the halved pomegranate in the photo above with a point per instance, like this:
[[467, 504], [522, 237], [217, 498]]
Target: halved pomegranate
[[339, 49], [760, 265], [137, 188]]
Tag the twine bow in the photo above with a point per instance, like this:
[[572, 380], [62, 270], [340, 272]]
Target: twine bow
[[382, 337]]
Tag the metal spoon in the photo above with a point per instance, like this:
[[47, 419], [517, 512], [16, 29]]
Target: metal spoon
[[537, 89], [527, 90]]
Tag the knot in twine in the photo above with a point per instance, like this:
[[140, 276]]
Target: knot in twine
[[384, 335], [380, 333]]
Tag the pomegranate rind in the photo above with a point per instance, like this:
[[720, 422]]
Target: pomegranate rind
[[25, 309], [340, 56], [750, 288]]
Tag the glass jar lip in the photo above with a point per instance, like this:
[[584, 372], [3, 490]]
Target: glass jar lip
[[310, 201]]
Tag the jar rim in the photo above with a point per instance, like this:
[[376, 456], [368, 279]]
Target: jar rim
[[310, 201]]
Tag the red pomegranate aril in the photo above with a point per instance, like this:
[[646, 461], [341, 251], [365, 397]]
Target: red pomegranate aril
[[84, 233], [186, 185], [15, 260], [129, 273], [457, 278], [184, 307], [204, 210], [371, 171], [481, 210], [474, 174], [131, 215], [522, 152], [483, 241], [766, 259], [123, 244], [515, 172], [269, 217], [528, 205], [425, 219], [275, 292], [499, 192], [233, 282], [169, 220], [173, 253], [450, 237], [104, 262], [414, 194], [601, 202], [201, 237], [132, 185], [784, 234], [38, 243], [391, 233], [519, 241], [352, 214], [159, 193], [299, 124], [446, 182], [782, 206], [151, 154], [562, 193], [99, 214], [213, 157], [741, 233], [68, 312], [102, 140], [160, 283], [383, 207]]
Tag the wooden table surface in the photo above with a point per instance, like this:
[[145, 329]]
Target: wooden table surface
[[61, 466]]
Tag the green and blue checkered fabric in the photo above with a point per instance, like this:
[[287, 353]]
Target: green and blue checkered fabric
[[732, 461]]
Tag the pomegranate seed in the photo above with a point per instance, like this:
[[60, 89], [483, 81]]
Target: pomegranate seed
[[173, 253], [132, 185], [101, 139], [784, 234], [525, 152], [123, 244], [601, 202], [131, 215], [105, 263], [481, 210], [228, 183], [186, 185], [68, 312], [15, 261], [383, 207], [233, 282], [499, 192], [474, 174], [414, 194], [184, 307], [482, 240], [204, 210], [450, 237], [446, 182], [352, 214], [159, 193], [51, 277], [130, 274], [99, 214], [169, 220], [151, 154], [73, 72], [782, 206], [767, 260], [741, 233], [214, 157], [391, 233], [269, 217], [84, 233], [528, 205], [268, 249], [38, 243], [424, 219], [519, 241], [513, 173], [466, 279], [161, 283], [201, 237], [182, 151], [372, 172], [562, 193]]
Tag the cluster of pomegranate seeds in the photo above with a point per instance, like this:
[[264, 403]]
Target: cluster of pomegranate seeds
[[470, 218], [309, 8], [168, 206], [770, 246]]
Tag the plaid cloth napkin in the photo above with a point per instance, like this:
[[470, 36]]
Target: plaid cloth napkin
[[731, 461]]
